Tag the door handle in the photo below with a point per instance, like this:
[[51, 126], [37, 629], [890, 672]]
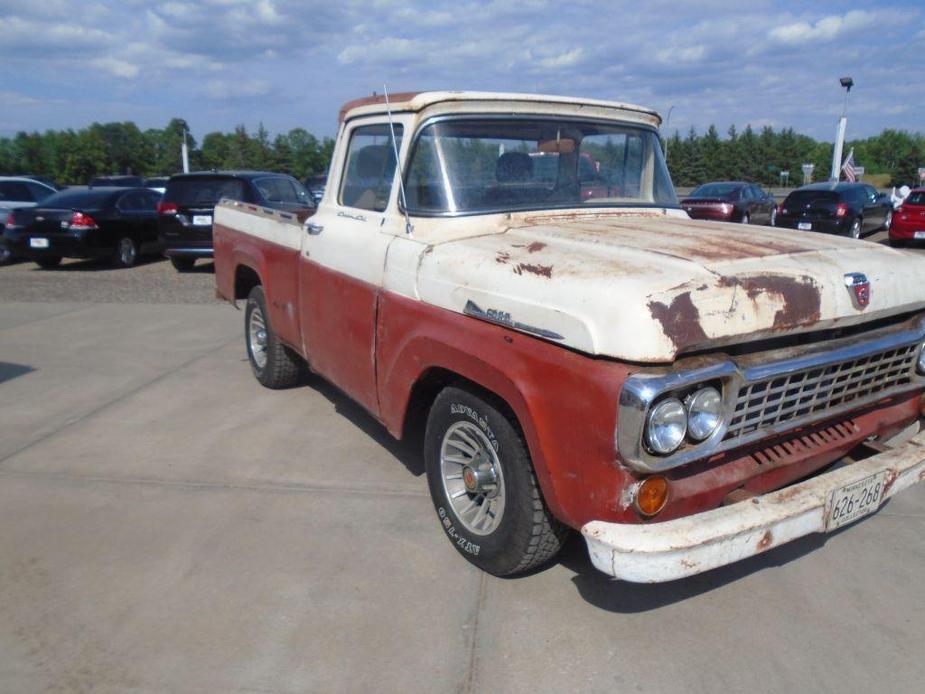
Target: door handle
[[313, 229]]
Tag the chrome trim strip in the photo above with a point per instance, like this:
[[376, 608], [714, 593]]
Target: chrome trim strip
[[641, 390], [504, 318]]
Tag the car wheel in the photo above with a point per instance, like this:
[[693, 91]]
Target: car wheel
[[5, 256], [888, 219], [126, 252], [746, 218], [49, 261], [483, 486], [773, 220], [183, 264], [897, 243], [273, 364], [855, 230]]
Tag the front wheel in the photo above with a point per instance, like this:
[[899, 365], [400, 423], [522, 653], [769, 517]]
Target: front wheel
[[483, 486], [773, 220], [182, 264], [273, 364], [855, 230], [48, 261], [746, 219], [888, 219], [126, 252]]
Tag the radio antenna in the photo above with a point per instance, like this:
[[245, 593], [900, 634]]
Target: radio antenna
[[401, 183]]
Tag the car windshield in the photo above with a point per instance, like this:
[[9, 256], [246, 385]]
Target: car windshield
[[480, 165], [806, 197], [915, 198], [715, 190], [203, 191], [82, 199]]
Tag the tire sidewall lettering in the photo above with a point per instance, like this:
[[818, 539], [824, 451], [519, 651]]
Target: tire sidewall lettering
[[458, 408], [461, 541]]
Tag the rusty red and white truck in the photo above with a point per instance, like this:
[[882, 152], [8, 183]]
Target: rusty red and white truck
[[683, 393]]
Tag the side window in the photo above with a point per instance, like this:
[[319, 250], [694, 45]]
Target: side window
[[130, 202], [281, 189], [370, 167], [745, 193], [149, 200], [14, 191]]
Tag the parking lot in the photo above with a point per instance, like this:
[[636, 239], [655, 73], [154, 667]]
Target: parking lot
[[166, 524]]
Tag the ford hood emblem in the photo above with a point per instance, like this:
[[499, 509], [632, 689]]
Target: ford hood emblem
[[859, 286]]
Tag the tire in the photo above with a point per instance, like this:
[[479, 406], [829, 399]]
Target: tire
[[746, 219], [48, 261], [887, 220], [465, 426], [274, 365], [773, 220], [126, 252], [182, 264], [855, 231], [897, 243]]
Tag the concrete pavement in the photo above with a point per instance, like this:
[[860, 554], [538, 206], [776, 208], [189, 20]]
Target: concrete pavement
[[166, 524]]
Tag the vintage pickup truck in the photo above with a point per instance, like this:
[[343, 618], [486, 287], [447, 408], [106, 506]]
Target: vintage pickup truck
[[686, 394]]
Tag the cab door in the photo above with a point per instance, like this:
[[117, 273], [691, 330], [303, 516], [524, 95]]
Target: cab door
[[342, 260]]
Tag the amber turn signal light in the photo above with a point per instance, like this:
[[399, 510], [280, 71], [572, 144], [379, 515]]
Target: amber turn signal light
[[651, 495]]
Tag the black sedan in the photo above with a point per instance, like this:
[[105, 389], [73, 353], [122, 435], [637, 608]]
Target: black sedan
[[116, 223], [731, 201], [849, 209]]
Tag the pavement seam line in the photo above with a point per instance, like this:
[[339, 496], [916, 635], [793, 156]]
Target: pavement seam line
[[469, 683], [293, 488], [134, 391], [78, 309]]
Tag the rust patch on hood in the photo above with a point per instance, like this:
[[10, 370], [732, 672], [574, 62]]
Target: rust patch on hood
[[680, 320], [539, 270], [503, 257], [800, 296], [536, 246]]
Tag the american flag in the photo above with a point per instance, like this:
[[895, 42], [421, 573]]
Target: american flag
[[848, 167]]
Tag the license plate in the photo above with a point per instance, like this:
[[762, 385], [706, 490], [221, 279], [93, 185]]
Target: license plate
[[38, 243], [202, 220], [919, 235], [804, 226], [854, 501]]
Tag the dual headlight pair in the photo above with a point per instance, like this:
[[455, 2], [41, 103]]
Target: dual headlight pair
[[671, 420]]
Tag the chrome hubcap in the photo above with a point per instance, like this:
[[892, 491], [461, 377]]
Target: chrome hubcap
[[472, 478], [257, 338], [127, 251]]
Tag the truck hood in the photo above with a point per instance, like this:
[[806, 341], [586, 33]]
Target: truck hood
[[648, 287]]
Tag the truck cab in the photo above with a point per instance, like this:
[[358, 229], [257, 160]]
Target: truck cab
[[579, 354]]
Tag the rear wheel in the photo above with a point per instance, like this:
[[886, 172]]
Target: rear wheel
[[773, 220], [49, 261], [746, 219], [273, 364], [126, 252], [483, 486], [855, 230], [182, 264]]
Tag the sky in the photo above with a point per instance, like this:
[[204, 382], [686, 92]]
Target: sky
[[292, 63]]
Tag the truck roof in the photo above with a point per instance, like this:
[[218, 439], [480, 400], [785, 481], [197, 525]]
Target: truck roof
[[417, 101]]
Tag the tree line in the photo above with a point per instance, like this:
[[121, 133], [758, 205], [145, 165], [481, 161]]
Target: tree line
[[761, 157], [75, 156]]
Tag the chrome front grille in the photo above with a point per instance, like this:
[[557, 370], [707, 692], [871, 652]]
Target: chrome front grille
[[812, 392]]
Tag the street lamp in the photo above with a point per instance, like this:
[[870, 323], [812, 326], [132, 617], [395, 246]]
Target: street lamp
[[847, 83]]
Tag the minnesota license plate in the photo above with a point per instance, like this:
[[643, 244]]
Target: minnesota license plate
[[804, 226], [202, 220], [854, 501], [38, 243], [919, 235]]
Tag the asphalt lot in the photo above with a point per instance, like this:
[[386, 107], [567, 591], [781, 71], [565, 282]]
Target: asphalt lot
[[166, 524]]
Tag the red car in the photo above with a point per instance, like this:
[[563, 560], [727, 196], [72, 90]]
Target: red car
[[908, 223]]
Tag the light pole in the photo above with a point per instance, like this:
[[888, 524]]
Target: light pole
[[847, 83], [667, 133]]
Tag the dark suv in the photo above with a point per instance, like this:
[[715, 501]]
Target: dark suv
[[184, 219], [851, 209]]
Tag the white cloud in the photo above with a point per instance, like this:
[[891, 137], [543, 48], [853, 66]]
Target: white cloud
[[237, 89], [115, 66], [687, 54], [825, 29]]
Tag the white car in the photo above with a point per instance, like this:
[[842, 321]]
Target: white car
[[17, 191]]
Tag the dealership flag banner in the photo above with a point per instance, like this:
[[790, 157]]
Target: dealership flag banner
[[848, 167]]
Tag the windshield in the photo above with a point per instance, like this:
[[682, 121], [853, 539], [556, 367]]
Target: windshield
[[916, 197], [478, 165], [715, 190], [203, 191]]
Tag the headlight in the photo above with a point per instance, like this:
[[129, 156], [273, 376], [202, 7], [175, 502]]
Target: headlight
[[922, 359], [704, 413], [666, 426]]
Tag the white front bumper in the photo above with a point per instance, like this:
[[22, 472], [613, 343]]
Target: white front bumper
[[657, 552]]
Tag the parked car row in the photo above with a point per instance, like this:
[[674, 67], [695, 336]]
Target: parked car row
[[124, 223], [731, 201]]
